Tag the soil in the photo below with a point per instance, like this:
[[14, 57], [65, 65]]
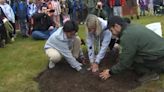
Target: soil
[[63, 78]]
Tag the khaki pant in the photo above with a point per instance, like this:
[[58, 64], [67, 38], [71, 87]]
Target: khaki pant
[[55, 56]]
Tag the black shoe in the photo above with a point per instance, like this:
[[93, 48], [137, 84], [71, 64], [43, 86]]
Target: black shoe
[[148, 77], [131, 17], [138, 17]]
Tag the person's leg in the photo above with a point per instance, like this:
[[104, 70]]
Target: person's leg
[[151, 9], [3, 36], [3, 33], [133, 7], [139, 67], [156, 65], [110, 11], [155, 10], [141, 11], [151, 65], [40, 35], [14, 32], [76, 47], [148, 69], [144, 12], [23, 28], [54, 57], [120, 11], [30, 22], [115, 11], [74, 15]]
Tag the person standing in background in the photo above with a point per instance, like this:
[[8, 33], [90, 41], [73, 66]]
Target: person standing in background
[[9, 14], [132, 5], [91, 5], [32, 9], [150, 7], [57, 11], [20, 10], [117, 7]]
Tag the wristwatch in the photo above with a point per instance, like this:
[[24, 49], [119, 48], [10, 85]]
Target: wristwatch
[[110, 72]]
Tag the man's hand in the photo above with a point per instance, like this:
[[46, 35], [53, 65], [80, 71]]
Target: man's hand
[[105, 74], [94, 67]]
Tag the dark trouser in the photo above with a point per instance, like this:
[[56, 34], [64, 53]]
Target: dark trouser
[[4, 34], [13, 24], [156, 7], [142, 66], [23, 27]]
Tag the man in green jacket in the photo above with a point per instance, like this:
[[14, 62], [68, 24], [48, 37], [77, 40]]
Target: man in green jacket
[[140, 49]]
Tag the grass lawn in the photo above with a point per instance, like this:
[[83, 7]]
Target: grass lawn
[[25, 58]]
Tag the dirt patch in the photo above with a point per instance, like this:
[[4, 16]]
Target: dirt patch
[[65, 79]]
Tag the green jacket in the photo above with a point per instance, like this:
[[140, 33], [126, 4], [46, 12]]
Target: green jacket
[[137, 40], [91, 3], [99, 12]]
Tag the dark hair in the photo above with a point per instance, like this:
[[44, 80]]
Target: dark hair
[[52, 10], [70, 26], [43, 5], [116, 20]]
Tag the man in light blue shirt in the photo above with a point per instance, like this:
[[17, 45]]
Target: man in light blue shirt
[[65, 43]]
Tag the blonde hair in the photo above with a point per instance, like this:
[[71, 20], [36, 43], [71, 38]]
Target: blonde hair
[[92, 21]]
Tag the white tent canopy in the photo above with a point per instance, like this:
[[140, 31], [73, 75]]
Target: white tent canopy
[[155, 27]]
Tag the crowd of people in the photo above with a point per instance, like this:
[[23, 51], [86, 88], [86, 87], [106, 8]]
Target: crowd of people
[[56, 21], [27, 13]]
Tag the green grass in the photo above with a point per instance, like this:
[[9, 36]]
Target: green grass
[[22, 60], [150, 19], [19, 63]]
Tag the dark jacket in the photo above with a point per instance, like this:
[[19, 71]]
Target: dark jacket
[[42, 22], [99, 12], [137, 40], [157, 2]]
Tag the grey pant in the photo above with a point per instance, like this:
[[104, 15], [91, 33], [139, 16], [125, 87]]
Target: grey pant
[[117, 10]]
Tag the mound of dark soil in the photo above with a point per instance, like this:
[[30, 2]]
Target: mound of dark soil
[[65, 79]]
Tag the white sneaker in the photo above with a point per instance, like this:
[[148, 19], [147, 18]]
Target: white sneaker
[[51, 64], [78, 68]]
